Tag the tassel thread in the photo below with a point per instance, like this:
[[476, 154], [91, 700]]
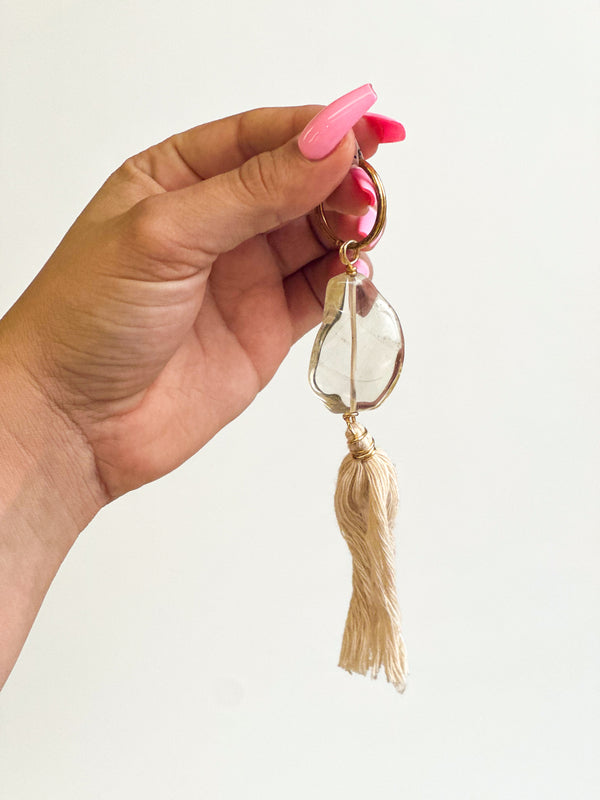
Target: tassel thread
[[366, 501]]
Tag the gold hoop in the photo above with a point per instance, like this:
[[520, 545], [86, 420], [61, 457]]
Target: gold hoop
[[380, 219]]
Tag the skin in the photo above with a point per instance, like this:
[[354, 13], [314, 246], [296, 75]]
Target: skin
[[167, 307]]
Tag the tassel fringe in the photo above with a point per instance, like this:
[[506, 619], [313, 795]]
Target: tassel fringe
[[366, 500]]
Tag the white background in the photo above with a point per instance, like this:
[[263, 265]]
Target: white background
[[188, 646]]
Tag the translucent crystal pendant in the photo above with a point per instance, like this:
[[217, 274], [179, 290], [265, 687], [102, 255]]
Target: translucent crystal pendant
[[358, 353]]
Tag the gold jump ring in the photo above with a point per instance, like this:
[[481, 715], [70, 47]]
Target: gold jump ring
[[379, 223]]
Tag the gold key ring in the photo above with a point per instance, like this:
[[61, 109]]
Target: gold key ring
[[380, 219]]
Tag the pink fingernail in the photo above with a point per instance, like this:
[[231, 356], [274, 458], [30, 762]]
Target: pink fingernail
[[365, 184], [325, 131], [386, 129], [362, 267], [366, 222]]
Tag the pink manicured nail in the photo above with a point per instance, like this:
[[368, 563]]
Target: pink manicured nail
[[386, 129], [366, 222], [325, 131], [365, 184], [362, 267]]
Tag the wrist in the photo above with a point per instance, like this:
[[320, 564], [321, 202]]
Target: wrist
[[49, 486], [49, 491]]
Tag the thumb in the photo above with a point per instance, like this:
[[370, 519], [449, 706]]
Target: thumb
[[265, 192]]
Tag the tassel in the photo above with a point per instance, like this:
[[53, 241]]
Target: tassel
[[366, 500]]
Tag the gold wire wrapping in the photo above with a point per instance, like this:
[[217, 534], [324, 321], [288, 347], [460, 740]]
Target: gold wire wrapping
[[360, 442]]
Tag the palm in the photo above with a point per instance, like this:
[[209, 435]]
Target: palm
[[220, 342]]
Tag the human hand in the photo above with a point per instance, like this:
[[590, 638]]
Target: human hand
[[180, 288], [167, 306]]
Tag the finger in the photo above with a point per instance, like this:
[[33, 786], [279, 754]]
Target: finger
[[220, 146], [354, 195], [385, 129], [305, 290], [201, 221], [367, 136]]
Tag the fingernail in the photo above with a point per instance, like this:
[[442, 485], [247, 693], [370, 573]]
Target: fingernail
[[366, 222], [362, 267], [365, 184], [386, 129], [325, 131]]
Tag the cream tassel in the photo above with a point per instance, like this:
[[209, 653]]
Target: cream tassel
[[366, 500]]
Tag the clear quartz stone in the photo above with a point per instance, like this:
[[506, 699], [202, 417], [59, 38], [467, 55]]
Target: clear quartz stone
[[355, 366]]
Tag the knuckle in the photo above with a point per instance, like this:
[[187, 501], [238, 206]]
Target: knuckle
[[260, 182], [246, 124], [129, 169], [256, 177], [146, 228], [133, 168]]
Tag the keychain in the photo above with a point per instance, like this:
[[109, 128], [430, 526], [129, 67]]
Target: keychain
[[355, 363]]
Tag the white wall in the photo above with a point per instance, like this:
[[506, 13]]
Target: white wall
[[188, 646]]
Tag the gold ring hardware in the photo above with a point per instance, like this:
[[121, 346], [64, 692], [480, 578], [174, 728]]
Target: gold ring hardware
[[380, 219]]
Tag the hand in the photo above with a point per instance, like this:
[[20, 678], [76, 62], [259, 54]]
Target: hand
[[168, 305], [178, 291]]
